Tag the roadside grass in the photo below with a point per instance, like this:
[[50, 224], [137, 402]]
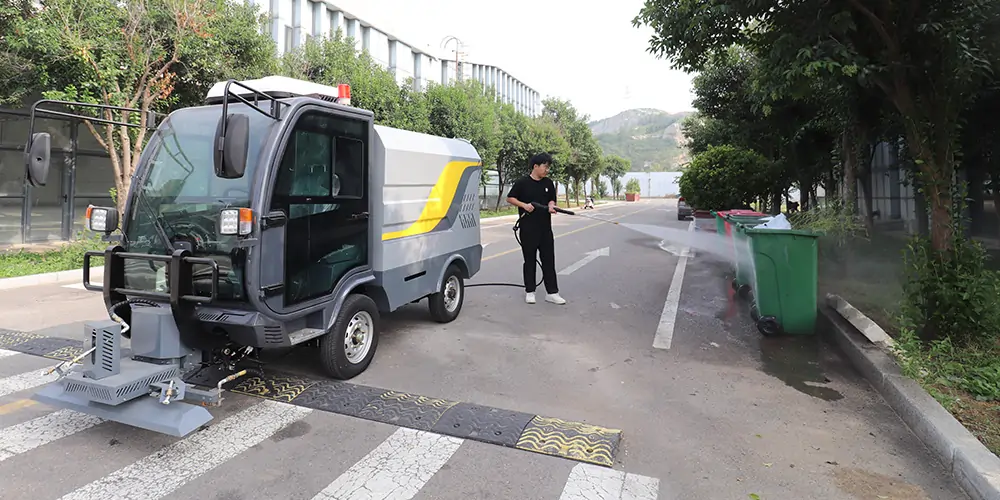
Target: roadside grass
[[66, 256], [965, 380]]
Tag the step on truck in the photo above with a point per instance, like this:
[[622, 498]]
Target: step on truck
[[275, 215]]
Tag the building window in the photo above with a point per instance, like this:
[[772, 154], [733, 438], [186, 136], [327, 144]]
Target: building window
[[288, 38]]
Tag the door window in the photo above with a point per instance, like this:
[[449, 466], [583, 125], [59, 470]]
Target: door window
[[321, 187]]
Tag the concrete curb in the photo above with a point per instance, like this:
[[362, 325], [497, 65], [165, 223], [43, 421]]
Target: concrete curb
[[58, 277], [974, 467], [73, 276]]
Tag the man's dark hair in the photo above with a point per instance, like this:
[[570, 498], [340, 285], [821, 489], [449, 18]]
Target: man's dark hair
[[540, 159]]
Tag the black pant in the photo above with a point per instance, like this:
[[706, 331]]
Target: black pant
[[541, 242]]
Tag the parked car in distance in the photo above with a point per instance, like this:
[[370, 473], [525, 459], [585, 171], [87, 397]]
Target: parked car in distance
[[683, 210]]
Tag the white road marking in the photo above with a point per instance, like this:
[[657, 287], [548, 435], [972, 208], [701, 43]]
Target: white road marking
[[25, 381], [43, 430], [78, 286], [665, 329], [395, 470], [161, 473], [4, 353], [592, 482], [591, 256]]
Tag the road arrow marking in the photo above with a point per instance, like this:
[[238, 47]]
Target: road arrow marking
[[678, 251], [591, 256]]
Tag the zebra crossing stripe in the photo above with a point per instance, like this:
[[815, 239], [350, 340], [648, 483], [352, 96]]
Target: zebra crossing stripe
[[43, 430], [161, 473], [395, 470], [25, 381], [591, 482]]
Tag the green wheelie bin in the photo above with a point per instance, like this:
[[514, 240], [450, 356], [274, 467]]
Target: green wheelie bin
[[785, 281], [742, 264]]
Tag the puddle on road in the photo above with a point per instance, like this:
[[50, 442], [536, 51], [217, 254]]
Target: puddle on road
[[865, 485], [795, 361]]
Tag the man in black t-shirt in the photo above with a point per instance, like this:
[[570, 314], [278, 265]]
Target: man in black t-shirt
[[536, 226]]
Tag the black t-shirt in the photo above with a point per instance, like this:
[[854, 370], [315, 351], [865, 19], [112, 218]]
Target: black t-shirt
[[527, 190]]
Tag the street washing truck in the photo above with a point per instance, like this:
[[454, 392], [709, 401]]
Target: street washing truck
[[275, 215]]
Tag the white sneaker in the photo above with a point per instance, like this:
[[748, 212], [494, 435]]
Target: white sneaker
[[554, 298], [529, 297]]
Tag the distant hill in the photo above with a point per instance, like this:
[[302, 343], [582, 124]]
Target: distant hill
[[650, 138]]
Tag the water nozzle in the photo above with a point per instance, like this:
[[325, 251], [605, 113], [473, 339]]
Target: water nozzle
[[560, 210]]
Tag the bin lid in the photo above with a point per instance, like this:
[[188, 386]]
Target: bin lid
[[790, 232], [745, 212]]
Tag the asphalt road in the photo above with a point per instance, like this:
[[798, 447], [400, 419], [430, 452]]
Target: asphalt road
[[722, 414]]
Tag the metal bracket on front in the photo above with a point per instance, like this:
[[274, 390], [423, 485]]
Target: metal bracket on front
[[176, 389]]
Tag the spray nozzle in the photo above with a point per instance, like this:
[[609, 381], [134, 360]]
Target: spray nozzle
[[560, 210]]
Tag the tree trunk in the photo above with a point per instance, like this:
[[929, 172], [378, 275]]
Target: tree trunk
[[849, 159], [122, 186]]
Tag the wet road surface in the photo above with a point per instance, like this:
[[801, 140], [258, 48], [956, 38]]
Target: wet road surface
[[722, 414]]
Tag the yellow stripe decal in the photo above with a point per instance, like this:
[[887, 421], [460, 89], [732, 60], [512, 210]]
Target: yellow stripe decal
[[438, 202]]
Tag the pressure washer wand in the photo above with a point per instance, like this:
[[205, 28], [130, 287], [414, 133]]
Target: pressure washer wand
[[570, 212]]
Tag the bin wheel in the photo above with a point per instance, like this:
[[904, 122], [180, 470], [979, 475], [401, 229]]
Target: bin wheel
[[743, 291], [735, 286], [754, 313], [349, 347], [769, 326]]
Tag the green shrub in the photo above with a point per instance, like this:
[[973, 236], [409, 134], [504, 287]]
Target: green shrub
[[632, 186], [725, 177]]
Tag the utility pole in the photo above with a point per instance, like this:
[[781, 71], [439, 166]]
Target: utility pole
[[458, 54]]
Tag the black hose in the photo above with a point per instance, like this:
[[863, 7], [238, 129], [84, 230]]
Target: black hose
[[113, 312]]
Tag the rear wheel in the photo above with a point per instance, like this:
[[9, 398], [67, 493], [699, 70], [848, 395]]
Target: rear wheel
[[447, 303], [349, 347]]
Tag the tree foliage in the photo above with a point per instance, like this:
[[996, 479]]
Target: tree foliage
[[816, 87], [145, 55], [725, 177]]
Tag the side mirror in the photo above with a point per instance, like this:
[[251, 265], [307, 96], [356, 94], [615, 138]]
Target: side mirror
[[36, 158], [232, 147]]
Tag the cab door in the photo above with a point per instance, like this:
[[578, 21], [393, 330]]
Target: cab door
[[318, 207]]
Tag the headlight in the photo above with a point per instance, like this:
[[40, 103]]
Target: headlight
[[233, 221], [102, 219]]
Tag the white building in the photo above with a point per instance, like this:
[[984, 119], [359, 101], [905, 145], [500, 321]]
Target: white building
[[294, 21]]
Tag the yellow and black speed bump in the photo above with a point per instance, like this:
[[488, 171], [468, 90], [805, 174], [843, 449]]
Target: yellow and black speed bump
[[275, 387], [406, 410], [550, 436], [10, 339], [583, 442], [483, 423]]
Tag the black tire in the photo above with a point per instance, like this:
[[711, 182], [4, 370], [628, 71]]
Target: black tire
[[446, 304], [734, 285], [333, 346], [768, 326]]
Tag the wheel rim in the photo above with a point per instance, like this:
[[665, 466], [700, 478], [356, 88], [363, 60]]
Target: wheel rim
[[358, 336], [452, 293]]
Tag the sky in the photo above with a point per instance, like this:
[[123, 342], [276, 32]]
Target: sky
[[592, 56]]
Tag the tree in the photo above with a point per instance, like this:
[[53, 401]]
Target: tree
[[132, 54], [334, 60], [927, 59], [463, 110], [18, 73], [615, 167], [725, 177], [585, 154]]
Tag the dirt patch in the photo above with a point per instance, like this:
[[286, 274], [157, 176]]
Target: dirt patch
[[865, 485], [981, 418]]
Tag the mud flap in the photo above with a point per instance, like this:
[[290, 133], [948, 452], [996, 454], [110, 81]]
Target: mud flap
[[176, 419]]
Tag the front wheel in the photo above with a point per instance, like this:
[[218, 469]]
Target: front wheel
[[349, 347], [447, 303]]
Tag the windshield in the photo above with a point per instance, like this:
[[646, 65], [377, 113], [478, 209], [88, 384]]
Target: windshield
[[180, 200]]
